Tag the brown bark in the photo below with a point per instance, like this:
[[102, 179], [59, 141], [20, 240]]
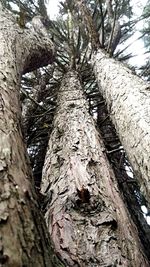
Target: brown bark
[[128, 102], [86, 217], [127, 185], [24, 238]]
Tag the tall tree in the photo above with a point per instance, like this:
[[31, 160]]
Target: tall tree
[[127, 99], [85, 214], [24, 239]]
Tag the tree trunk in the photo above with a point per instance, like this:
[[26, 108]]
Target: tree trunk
[[86, 217], [24, 238], [128, 102]]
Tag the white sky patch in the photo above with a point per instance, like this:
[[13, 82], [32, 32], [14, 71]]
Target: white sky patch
[[137, 48], [53, 8], [148, 219], [14, 6], [138, 6], [144, 209]]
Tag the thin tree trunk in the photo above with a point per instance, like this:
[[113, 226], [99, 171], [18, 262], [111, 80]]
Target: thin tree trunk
[[86, 217], [128, 101], [24, 238]]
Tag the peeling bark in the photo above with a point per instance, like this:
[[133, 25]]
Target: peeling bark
[[24, 238], [128, 101], [86, 217]]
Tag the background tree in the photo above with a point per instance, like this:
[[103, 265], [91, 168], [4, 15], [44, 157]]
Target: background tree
[[111, 75], [84, 212]]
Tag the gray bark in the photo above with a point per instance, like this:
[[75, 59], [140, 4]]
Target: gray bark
[[128, 101], [24, 238], [86, 217]]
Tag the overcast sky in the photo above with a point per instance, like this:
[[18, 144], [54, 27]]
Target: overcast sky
[[53, 8], [138, 5]]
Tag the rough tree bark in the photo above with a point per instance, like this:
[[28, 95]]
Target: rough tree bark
[[24, 238], [86, 217], [128, 101]]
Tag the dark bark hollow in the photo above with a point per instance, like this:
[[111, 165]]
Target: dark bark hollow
[[86, 217]]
